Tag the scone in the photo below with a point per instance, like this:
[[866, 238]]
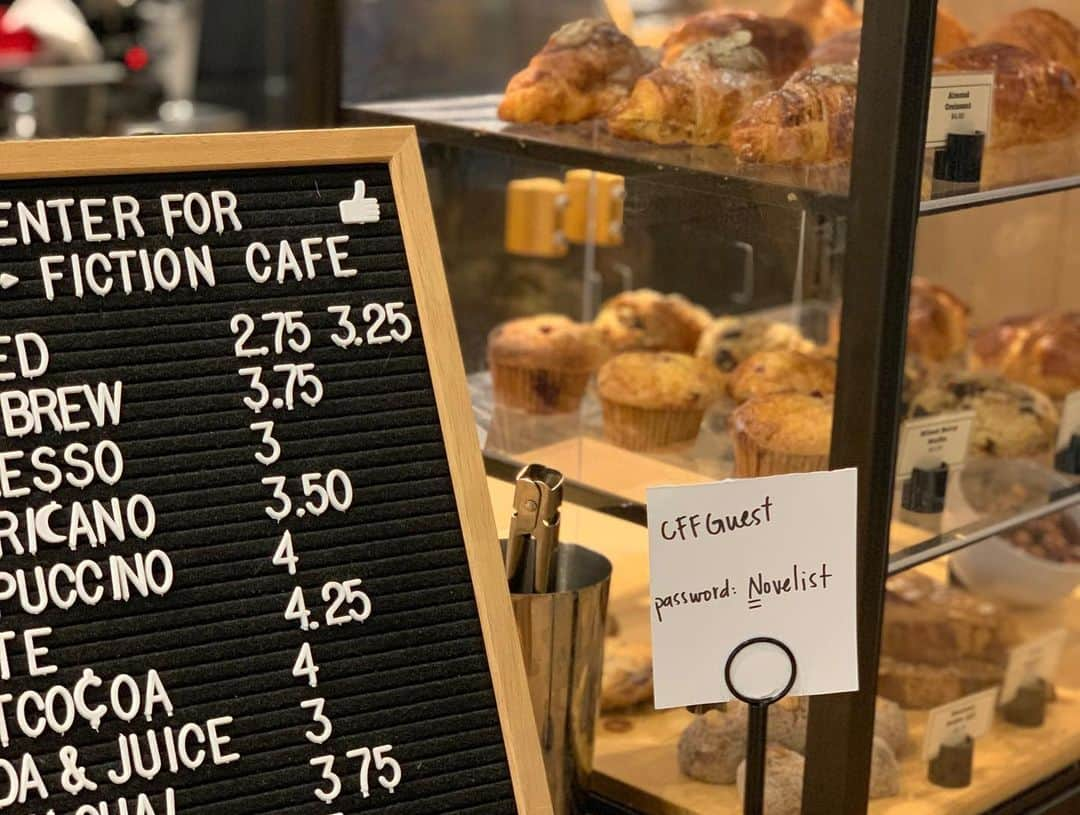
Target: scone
[[542, 364], [784, 777], [788, 724], [627, 679], [651, 401], [891, 725], [783, 781], [646, 320], [921, 686], [937, 322], [782, 433], [713, 745], [1010, 419], [727, 341], [783, 371], [931, 622], [1041, 350], [884, 770], [584, 70]]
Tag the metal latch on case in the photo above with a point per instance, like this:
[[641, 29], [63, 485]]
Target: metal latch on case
[[534, 218], [595, 206], [533, 541]]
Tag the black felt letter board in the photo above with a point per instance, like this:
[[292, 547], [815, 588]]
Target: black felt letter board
[[402, 671]]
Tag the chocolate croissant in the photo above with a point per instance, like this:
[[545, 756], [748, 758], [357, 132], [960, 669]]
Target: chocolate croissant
[[810, 120], [698, 97], [1043, 32], [584, 70], [823, 18], [784, 43], [1034, 99]]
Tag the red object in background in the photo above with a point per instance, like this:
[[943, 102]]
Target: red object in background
[[20, 41], [136, 58]]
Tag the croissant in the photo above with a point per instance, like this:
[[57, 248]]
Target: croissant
[[1041, 351], [1043, 32], [949, 33], [784, 43], [839, 49], [810, 120], [584, 70], [823, 18], [698, 97], [1034, 99], [843, 48]]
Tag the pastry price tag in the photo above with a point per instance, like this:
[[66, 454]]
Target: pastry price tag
[[959, 103], [970, 716], [933, 440], [1070, 420], [1035, 659], [746, 558]]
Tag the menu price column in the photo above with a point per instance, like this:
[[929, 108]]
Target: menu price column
[[283, 386]]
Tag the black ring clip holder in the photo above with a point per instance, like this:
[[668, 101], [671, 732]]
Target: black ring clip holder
[[757, 730]]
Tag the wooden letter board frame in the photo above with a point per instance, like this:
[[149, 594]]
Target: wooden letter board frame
[[398, 148]]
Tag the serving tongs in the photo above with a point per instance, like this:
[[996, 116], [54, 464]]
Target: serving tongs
[[534, 530]]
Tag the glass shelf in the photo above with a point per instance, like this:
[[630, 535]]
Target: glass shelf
[[472, 121], [934, 206], [983, 499]]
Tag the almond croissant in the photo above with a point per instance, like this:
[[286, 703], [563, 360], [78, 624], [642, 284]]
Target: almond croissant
[[810, 120], [784, 43], [584, 70], [1034, 99], [1043, 32], [698, 97]]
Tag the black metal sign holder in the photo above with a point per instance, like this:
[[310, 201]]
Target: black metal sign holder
[[757, 729]]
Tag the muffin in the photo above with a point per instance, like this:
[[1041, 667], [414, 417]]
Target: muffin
[[1010, 419], [782, 371], [937, 322], [651, 401], [782, 433], [542, 364], [729, 340], [627, 679], [646, 320], [1041, 351]]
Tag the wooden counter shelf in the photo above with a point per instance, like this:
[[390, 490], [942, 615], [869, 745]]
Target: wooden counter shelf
[[637, 765]]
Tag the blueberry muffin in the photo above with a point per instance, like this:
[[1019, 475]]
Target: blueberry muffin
[[782, 433], [1010, 419], [782, 371], [542, 364], [652, 401], [729, 340], [646, 320]]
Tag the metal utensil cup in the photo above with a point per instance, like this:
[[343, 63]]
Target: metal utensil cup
[[562, 640]]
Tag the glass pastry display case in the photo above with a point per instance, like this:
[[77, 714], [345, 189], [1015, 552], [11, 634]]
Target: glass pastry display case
[[687, 243]]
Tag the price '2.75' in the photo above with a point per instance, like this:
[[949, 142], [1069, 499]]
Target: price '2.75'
[[332, 491]]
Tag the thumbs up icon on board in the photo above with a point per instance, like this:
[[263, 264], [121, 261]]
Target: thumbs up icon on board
[[360, 209]]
